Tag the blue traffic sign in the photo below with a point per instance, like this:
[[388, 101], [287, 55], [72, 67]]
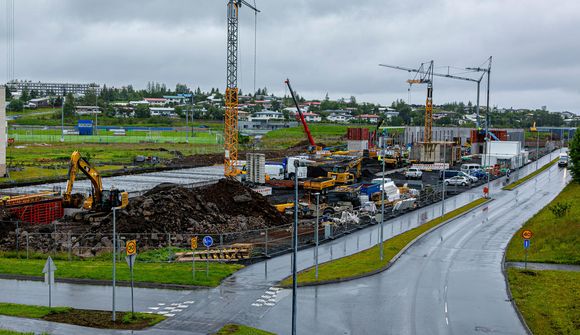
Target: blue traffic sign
[[526, 244], [207, 241]]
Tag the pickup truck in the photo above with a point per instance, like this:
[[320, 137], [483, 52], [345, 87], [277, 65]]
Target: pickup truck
[[413, 173]]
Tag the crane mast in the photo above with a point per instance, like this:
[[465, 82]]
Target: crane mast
[[231, 97]]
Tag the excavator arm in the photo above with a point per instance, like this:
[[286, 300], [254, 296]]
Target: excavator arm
[[77, 162]]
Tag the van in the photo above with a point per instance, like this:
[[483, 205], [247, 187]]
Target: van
[[467, 168], [275, 171], [563, 161]]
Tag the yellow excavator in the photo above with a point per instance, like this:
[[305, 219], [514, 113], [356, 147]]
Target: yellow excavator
[[100, 200], [343, 175]]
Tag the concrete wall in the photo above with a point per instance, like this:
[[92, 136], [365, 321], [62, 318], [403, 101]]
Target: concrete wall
[[504, 148], [3, 134]]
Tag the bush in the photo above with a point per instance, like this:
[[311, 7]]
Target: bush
[[560, 209]]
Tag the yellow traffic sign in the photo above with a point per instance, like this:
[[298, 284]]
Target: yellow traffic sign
[[527, 234], [131, 247], [194, 243]]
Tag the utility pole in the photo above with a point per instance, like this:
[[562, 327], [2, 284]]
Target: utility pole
[[537, 147], [316, 235], [295, 246], [114, 262], [443, 192], [62, 118], [382, 201], [487, 119]]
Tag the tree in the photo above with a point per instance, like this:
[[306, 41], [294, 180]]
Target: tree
[[142, 111], [16, 105], [69, 105], [575, 156], [25, 95], [8, 93]]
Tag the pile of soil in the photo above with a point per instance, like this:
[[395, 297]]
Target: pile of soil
[[224, 207], [101, 319]]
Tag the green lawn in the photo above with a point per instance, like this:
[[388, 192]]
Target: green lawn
[[233, 329], [328, 134], [100, 269], [549, 300], [556, 239], [368, 260], [518, 182], [89, 318], [10, 332]]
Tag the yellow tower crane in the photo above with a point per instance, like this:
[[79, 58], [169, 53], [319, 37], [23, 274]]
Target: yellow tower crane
[[231, 97]]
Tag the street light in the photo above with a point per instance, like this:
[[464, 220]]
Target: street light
[[295, 246], [114, 260], [316, 235], [382, 200], [62, 118]]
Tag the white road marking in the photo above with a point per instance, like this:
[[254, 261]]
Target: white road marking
[[446, 307], [161, 304], [272, 300], [162, 312], [266, 296], [270, 292], [154, 308], [446, 320], [177, 310], [188, 302], [169, 308], [260, 300], [169, 314], [182, 306], [257, 305], [275, 288], [269, 304], [174, 304]]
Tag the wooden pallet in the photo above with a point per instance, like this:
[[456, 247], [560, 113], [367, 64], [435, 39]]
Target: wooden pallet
[[232, 253]]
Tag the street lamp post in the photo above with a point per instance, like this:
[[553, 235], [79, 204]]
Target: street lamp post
[[537, 147], [382, 201], [62, 119], [316, 235], [443, 190], [114, 261], [295, 246]]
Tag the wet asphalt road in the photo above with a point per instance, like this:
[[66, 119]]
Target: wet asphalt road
[[453, 275]]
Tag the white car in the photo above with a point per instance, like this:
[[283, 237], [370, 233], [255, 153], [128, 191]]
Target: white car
[[458, 180], [413, 173], [473, 179]]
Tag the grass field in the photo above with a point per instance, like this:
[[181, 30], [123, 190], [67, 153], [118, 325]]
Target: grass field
[[368, 260], [518, 182], [97, 319], [549, 300], [10, 332], [233, 329], [556, 239], [328, 134], [101, 269]]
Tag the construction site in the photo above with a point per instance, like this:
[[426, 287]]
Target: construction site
[[247, 200]]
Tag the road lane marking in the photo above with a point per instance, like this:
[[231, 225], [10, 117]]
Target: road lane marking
[[154, 308], [446, 307], [169, 314], [447, 320]]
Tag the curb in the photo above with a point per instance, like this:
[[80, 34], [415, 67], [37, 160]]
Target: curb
[[392, 261], [105, 282], [509, 293]]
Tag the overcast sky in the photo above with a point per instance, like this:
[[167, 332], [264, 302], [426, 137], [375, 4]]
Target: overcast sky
[[321, 45]]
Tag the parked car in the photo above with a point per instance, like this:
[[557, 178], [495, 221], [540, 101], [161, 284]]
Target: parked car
[[413, 173], [469, 167], [479, 174], [448, 174], [471, 178], [563, 161], [458, 180]]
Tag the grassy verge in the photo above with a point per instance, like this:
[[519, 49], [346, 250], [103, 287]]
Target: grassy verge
[[518, 182], [233, 329], [10, 332], [367, 261], [81, 317], [555, 239], [160, 273], [548, 300]]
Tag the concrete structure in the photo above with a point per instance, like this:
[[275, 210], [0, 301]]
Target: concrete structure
[[53, 88], [3, 133], [156, 101], [416, 134], [436, 152], [262, 127], [163, 111]]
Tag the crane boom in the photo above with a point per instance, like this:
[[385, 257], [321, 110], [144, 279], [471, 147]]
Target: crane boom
[[302, 119], [231, 97]]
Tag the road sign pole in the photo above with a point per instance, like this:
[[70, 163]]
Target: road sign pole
[[207, 263], [49, 286], [114, 262], [132, 299], [316, 235], [526, 259], [295, 247]]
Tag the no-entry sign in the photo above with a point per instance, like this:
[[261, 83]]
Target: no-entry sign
[[527, 234]]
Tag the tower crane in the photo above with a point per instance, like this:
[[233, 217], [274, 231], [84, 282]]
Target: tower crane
[[231, 97], [425, 72]]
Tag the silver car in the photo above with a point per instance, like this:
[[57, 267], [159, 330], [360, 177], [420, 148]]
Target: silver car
[[458, 180]]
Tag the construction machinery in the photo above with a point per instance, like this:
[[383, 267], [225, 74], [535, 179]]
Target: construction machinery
[[343, 174], [312, 148], [320, 184], [231, 97], [100, 200]]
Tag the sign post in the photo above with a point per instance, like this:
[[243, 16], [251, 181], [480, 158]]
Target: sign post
[[208, 242], [48, 271], [131, 248], [526, 235], [193, 247]]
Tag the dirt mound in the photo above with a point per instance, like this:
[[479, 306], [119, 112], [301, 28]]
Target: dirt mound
[[224, 207]]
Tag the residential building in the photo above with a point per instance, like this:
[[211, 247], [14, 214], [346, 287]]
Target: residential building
[[243, 115], [267, 115], [87, 110], [60, 89], [372, 118], [339, 117], [163, 111], [40, 102], [175, 99], [156, 101]]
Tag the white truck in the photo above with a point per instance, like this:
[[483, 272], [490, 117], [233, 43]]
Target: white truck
[[290, 170], [413, 173]]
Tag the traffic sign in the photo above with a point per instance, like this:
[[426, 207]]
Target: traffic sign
[[207, 241], [526, 244], [194, 243], [49, 266], [527, 234], [131, 247]]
